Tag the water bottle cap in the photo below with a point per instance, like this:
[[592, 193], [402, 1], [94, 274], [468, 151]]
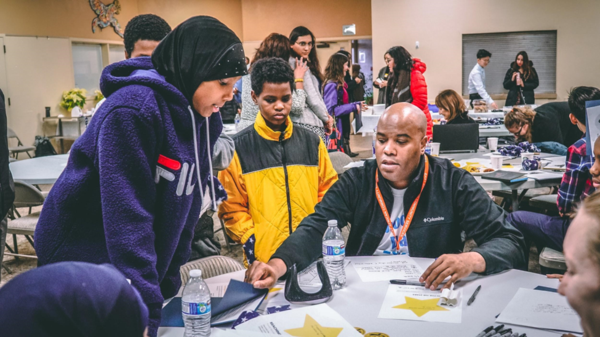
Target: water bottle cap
[[332, 223], [195, 273]]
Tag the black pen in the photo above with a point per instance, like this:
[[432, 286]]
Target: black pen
[[472, 299], [485, 331]]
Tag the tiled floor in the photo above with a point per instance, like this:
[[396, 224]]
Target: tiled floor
[[359, 144]]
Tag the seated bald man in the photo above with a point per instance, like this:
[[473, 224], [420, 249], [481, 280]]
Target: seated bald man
[[441, 199]]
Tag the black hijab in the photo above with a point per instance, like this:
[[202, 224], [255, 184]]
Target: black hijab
[[198, 50], [71, 299]]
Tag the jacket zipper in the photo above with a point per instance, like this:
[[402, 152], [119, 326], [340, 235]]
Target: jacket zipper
[[287, 183]]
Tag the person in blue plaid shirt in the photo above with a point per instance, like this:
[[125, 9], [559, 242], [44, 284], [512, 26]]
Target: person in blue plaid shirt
[[576, 184]]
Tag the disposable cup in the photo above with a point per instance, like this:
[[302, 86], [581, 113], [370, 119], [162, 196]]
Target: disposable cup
[[497, 162], [435, 149], [492, 143]]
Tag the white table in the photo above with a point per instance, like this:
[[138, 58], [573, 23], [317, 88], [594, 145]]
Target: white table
[[370, 123], [40, 170], [494, 131], [359, 304], [494, 185], [474, 115]]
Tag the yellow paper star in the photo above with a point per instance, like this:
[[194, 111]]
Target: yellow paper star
[[420, 307], [313, 329], [272, 290]]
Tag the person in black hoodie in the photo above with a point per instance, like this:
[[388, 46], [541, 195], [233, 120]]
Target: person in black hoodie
[[520, 81], [405, 181], [7, 187]]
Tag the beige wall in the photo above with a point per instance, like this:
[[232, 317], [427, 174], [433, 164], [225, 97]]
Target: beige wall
[[440, 27], [40, 70], [64, 18], [324, 18], [177, 11]]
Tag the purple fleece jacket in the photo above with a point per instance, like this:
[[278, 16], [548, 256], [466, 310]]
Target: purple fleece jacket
[[334, 104], [129, 194]]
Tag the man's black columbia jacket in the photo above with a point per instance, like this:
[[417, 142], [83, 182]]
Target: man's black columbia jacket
[[452, 202]]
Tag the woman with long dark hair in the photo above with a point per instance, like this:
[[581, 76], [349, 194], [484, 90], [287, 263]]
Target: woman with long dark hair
[[274, 45], [520, 81], [336, 99], [314, 116], [406, 82]]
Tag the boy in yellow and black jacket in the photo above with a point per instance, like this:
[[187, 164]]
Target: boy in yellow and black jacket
[[279, 171]]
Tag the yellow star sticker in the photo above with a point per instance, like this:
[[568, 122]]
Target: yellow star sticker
[[272, 290], [420, 307], [313, 329]]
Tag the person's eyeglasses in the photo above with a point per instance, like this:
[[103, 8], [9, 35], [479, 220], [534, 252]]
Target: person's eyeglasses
[[518, 133], [387, 61], [304, 44]]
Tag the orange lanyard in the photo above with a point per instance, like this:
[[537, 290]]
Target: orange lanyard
[[411, 211]]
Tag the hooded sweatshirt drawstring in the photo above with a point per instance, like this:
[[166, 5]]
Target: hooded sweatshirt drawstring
[[212, 185], [196, 153]]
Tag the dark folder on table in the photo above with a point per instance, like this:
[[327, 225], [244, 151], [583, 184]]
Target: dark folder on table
[[237, 293], [457, 137], [506, 177]]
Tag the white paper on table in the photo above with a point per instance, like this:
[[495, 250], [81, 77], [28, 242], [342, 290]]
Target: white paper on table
[[540, 309], [416, 303], [214, 332], [385, 268], [318, 320], [218, 289]]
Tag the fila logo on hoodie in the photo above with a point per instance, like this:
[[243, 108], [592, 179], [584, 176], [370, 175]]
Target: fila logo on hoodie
[[185, 178]]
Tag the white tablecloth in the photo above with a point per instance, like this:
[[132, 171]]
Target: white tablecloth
[[359, 304]]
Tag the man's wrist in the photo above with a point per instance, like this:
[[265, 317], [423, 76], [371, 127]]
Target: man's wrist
[[476, 261], [278, 266]]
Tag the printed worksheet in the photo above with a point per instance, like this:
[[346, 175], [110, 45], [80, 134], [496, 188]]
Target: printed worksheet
[[311, 321], [540, 309], [385, 268], [419, 304], [214, 332]]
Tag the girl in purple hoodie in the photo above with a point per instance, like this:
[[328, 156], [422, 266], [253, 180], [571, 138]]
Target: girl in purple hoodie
[[335, 95], [140, 176]]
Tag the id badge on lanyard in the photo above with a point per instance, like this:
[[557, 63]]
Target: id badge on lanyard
[[411, 212]]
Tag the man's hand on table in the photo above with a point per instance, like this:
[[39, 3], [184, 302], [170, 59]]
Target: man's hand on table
[[264, 275], [457, 266]]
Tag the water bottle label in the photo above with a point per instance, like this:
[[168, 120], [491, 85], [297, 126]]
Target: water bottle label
[[334, 250], [193, 308]]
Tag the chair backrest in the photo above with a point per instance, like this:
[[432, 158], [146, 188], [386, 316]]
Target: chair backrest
[[211, 266], [27, 195], [339, 160], [10, 133]]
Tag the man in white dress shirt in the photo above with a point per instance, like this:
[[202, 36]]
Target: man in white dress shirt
[[477, 79]]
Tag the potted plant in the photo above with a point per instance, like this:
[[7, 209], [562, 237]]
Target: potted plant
[[72, 98]]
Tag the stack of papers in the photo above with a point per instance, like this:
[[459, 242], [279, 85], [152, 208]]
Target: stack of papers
[[542, 310]]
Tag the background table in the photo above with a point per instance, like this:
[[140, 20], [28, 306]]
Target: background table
[[359, 303], [40, 170]]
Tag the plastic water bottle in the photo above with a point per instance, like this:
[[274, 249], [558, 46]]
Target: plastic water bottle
[[374, 140], [195, 306], [237, 120], [428, 148], [334, 252]]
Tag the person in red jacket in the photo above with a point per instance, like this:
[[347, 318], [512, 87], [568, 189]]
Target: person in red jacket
[[406, 82]]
